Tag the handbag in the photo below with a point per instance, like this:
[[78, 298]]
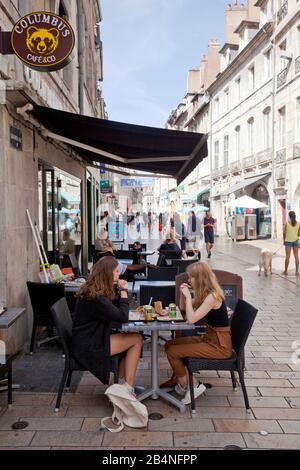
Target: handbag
[[127, 409]]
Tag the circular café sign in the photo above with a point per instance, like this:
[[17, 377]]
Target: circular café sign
[[43, 41]]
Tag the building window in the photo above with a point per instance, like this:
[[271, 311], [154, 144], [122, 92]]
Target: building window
[[217, 106], [226, 98], [238, 90], [237, 142], [226, 149], [282, 128], [216, 154], [251, 78], [250, 136], [282, 51], [298, 119], [62, 11], [268, 63], [266, 119]]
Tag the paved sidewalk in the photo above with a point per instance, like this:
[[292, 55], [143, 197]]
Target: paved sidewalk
[[272, 378]]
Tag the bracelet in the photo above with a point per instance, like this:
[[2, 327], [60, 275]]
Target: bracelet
[[123, 290]]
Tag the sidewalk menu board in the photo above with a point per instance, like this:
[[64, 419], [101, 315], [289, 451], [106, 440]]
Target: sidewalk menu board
[[116, 231]]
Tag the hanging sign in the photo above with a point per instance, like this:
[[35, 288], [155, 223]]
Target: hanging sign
[[43, 41]]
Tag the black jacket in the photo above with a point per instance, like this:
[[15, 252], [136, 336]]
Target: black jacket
[[92, 324]]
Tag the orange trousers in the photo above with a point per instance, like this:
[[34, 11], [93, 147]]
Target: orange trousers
[[214, 344]]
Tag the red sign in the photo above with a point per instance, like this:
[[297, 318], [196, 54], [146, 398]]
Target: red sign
[[43, 41]]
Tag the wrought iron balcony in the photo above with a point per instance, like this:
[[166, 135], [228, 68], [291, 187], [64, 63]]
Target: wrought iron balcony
[[297, 64], [281, 155], [296, 150], [281, 77], [282, 12]]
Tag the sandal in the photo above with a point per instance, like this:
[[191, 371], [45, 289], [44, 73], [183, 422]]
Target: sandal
[[169, 383]]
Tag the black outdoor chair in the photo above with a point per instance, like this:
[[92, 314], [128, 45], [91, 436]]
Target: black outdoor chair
[[6, 373], [182, 264], [165, 294], [162, 274], [63, 323], [165, 257], [241, 324], [143, 246], [42, 297]]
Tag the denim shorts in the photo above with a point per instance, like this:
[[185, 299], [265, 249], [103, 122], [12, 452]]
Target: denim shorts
[[291, 244]]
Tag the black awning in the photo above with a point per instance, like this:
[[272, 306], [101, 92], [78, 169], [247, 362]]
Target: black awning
[[161, 151]]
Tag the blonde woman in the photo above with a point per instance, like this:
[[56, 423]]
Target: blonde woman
[[208, 303]]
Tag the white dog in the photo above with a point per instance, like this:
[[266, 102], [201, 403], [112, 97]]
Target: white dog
[[265, 261]]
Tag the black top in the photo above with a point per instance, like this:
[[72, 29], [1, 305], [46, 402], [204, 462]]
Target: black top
[[169, 247], [92, 324], [217, 317]]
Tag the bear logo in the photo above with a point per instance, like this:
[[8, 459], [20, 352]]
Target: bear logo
[[42, 41]]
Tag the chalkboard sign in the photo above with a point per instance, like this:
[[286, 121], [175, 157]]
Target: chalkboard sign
[[230, 295]]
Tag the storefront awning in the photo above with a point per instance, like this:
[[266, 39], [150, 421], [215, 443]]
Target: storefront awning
[[150, 149], [243, 184]]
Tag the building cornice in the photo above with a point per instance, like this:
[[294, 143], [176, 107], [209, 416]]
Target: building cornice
[[198, 111], [265, 31], [246, 23], [228, 45], [260, 3]]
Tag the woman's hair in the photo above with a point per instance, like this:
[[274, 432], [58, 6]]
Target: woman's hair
[[205, 283], [105, 245], [100, 281], [292, 217]]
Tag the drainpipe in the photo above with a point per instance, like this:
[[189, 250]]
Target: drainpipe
[[99, 41], [273, 142], [81, 61]]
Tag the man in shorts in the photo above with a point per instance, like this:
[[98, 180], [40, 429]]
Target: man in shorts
[[209, 236]]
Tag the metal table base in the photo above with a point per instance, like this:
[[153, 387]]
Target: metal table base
[[155, 392]]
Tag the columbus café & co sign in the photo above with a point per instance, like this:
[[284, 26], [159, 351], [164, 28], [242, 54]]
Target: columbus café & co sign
[[42, 40]]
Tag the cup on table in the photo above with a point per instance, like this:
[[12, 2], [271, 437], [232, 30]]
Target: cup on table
[[148, 312], [172, 310]]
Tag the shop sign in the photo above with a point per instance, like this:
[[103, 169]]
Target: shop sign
[[106, 190], [15, 136], [43, 41], [136, 183], [104, 184]]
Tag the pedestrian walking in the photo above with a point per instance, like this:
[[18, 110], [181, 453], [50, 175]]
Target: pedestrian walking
[[291, 233], [209, 236]]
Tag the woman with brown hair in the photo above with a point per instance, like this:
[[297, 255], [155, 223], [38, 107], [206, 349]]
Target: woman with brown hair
[[92, 340], [291, 233], [209, 304]]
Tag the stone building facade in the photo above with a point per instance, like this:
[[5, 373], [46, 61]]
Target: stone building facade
[[254, 115], [40, 174]]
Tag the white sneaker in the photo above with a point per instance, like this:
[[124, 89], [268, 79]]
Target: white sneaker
[[198, 390], [179, 389]]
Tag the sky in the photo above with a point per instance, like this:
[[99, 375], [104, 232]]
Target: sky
[[148, 48]]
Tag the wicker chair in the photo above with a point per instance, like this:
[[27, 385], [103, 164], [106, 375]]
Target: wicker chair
[[63, 322], [241, 324]]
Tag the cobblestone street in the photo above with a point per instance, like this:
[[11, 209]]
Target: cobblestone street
[[272, 379]]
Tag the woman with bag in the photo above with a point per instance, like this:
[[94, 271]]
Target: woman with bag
[[97, 307]]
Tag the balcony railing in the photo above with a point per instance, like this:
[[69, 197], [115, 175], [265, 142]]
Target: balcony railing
[[249, 161], [264, 156], [297, 64], [296, 150], [281, 77], [282, 12], [281, 155]]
